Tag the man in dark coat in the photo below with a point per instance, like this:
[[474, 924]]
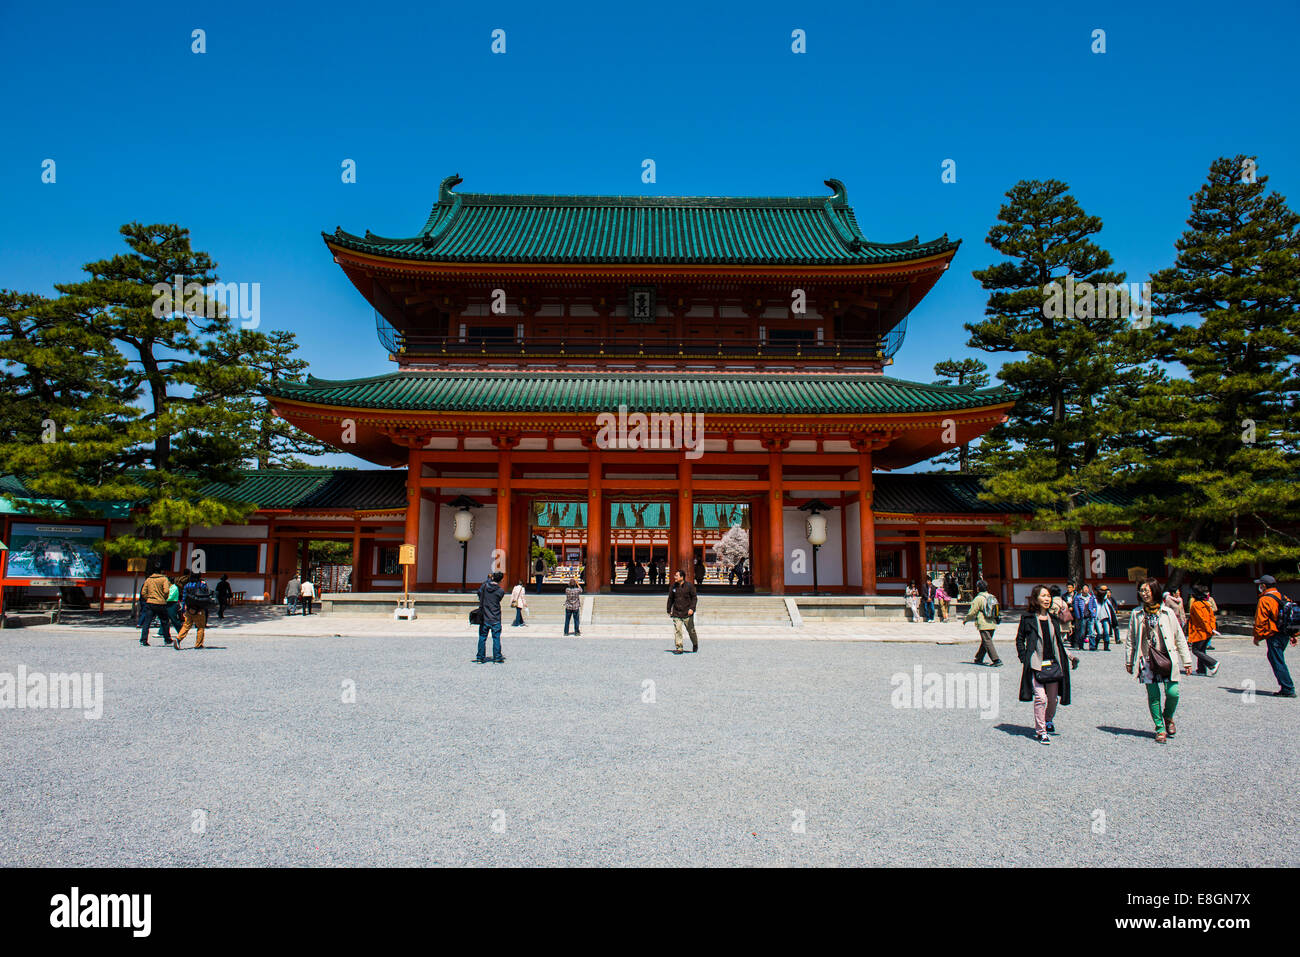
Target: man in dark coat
[[682, 599], [490, 594], [224, 594]]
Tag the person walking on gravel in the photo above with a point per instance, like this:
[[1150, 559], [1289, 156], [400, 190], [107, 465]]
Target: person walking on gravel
[[1202, 622], [490, 594], [154, 594], [196, 598], [1044, 678], [682, 599], [1268, 628], [573, 608], [1157, 648], [1107, 618], [984, 609], [519, 602], [224, 594]]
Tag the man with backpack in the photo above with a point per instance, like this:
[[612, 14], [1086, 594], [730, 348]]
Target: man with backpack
[[984, 609], [1276, 620], [195, 598], [490, 594]]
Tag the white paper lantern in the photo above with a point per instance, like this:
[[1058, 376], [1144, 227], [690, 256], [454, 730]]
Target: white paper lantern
[[464, 525], [815, 529]]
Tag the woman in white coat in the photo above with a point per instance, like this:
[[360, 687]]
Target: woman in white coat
[[1153, 627]]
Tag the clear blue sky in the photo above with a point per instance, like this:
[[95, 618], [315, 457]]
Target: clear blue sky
[[243, 144]]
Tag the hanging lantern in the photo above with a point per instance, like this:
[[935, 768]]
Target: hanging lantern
[[744, 518], [699, 516], [464, 529], [620, 518], [663, 518], [815, 529]]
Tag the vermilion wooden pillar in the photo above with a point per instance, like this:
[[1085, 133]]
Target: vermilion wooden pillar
[[518, 562], [355, 583], [757, 543], [501, 560], [413, 498], [685, 523], [923, 563], [775, 523], [867, 523], [597, 571]]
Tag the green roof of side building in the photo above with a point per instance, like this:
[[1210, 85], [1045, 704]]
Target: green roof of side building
[[566, 393], [505, 228]]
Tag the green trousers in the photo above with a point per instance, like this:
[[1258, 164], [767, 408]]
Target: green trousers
[[1171, 702]]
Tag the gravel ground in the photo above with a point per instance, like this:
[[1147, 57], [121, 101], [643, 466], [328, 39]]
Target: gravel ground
[[555, 758]]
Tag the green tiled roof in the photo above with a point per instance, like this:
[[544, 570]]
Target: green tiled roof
[[315, 488], [503, 228], [562, 392], [270, 488], [24, 503]]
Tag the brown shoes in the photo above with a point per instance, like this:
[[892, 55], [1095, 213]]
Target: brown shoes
[[1169, 726], [1160, 737]]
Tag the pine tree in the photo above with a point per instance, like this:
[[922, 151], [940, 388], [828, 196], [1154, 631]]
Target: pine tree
[[1223, 473], [183, 437], [1054, 452], [971, 373], [267, 441], [67, 415]]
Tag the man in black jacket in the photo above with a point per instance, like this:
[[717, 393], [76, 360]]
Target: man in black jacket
[[490, 594], [681, 608], [224, 594]]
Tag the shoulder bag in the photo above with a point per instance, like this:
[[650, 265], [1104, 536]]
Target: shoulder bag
[[1161, 667]]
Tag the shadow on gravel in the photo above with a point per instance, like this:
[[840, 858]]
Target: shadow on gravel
[[1128, 732], [116, 618], [1017, 730]]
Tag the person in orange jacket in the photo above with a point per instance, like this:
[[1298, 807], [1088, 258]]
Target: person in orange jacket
[[1202, 622], [1268, 613]]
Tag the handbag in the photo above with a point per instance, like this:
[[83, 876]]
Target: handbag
[[476, 616], [1161, 667], [1051, 671]]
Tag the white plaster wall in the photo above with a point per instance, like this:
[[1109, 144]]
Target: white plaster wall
[[853, 560], [430, 515], [480, 551], [119, 586], [257, 530], [1038, 538], [830, 559]]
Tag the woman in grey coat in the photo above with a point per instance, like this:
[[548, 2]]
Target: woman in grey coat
[[1153, 627]]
